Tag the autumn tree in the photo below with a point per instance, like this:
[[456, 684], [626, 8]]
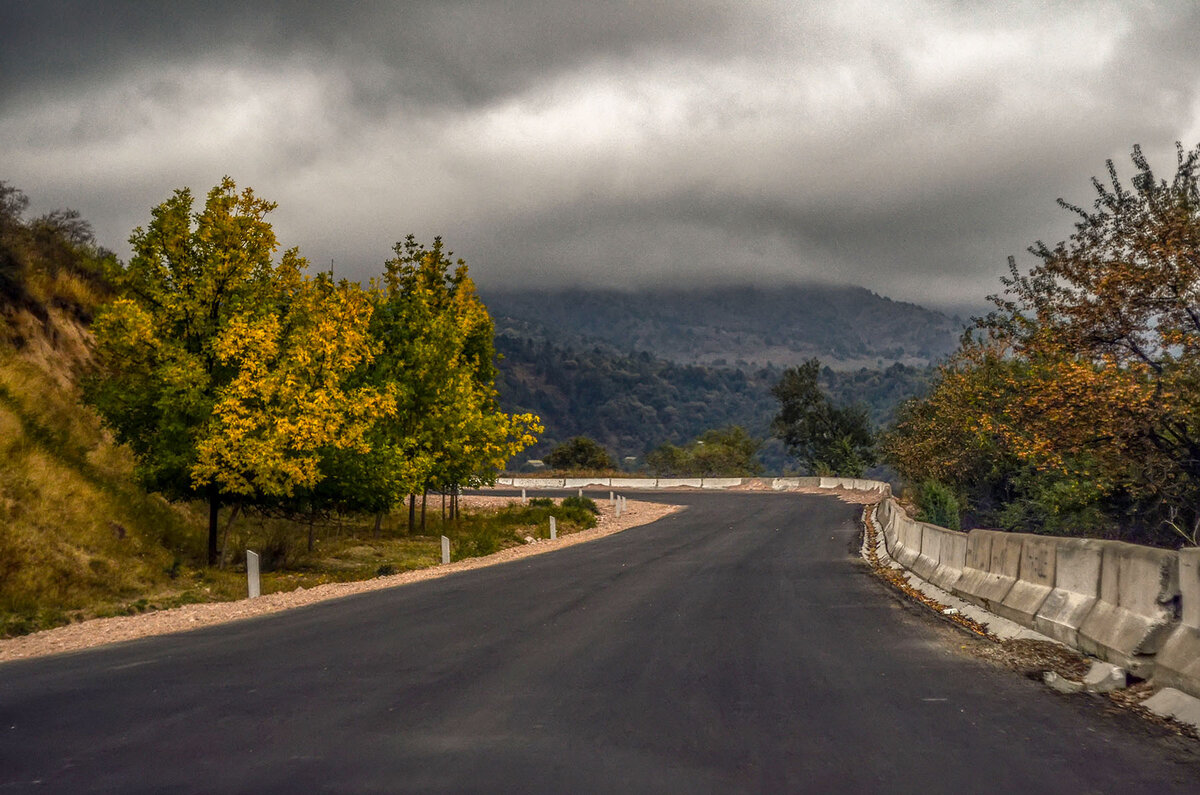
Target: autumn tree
[[220, 367], [1094, 353], [826, 438]]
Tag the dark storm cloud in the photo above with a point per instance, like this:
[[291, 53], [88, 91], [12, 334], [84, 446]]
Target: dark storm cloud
[[906, 147]]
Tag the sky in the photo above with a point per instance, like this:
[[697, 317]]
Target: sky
[[907, 147]]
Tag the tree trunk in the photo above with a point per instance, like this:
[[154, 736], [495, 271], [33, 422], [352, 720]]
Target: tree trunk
[[214, 508], [378, 522], [424, 500], [225, 536], [311, 521], [412, 513]]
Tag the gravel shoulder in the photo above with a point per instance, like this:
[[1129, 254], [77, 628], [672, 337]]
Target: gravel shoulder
[[97, 632]]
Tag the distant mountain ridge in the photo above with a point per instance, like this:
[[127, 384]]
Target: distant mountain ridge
[[845, 327]]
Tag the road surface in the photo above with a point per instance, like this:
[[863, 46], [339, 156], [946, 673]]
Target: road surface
[[736, 646]]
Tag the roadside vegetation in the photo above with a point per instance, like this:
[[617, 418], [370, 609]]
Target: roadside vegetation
[[1074, 407], [158, 417]]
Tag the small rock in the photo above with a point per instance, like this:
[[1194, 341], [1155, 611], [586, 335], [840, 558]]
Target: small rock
[[1060, 683], [529, 539], [1104, 677], [950, 611]]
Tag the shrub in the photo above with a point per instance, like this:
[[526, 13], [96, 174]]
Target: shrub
[[938, 505], [586, 503]]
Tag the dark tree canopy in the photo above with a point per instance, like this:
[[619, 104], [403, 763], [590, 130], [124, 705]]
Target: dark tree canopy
[[826, 438], [721, 452], [580, 453]]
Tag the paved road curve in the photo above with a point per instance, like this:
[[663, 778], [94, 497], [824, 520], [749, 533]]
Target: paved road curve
[[734, 647]]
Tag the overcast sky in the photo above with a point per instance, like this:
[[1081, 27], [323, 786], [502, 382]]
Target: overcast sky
[[909, 147]]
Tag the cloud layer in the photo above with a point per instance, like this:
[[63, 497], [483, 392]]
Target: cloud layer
[[908, 148]]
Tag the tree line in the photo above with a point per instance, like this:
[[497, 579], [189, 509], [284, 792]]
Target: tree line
[[239, 378], [1074, 406]]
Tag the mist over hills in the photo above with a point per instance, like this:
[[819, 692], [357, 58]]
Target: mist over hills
[[847, 328]]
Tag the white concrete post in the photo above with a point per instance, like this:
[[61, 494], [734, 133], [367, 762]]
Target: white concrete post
[[252, 580], [553, 528], [523, 496], [617, 510], [611, 499], [445, 550], [581, 492]]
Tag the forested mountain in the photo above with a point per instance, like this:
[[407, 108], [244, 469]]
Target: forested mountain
[[635, 402], [847, 328]]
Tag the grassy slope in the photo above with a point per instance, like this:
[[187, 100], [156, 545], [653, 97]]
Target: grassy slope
[[75, 528]]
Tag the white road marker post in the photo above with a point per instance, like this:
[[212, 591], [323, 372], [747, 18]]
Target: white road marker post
[[611, 499], [252, 580], [445, 550], [523, 500], [553, 528], [581, 492], [617, 510]]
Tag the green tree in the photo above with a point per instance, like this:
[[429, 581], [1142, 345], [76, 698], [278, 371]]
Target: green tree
[[580, 453], [721, 452], [827, 439], [435, 362]]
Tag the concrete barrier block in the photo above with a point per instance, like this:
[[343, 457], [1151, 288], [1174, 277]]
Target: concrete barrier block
[[1035, 580], [633, 483], [1178, 661], [1076, 589], [720, 483], [1137, 608], [676, 483], [792, 484], [908, 544], [579, 483], [931, 551], [951, 559], [537, 483], [992, 562], [891, 528], [504, 481]]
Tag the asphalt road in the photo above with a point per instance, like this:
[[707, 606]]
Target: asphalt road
[[736, 646]]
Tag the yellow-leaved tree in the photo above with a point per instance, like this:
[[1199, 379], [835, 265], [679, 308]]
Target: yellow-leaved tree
[[222, 368]]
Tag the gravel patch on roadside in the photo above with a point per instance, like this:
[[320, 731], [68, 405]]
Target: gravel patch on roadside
[[96, 632]]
